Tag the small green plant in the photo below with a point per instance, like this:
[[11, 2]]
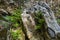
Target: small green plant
[[15, 18], [16, 21], [16, 34], [39, 20]]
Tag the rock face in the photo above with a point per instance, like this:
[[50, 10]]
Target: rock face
[[29, 22]]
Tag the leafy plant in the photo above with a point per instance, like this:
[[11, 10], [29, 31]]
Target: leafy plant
[[16, 34], [15, 18], [39, 20]]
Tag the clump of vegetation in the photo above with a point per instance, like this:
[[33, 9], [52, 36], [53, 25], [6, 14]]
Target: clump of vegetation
[[16, 21], [17, 34], [15, 18], [39, 20]]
